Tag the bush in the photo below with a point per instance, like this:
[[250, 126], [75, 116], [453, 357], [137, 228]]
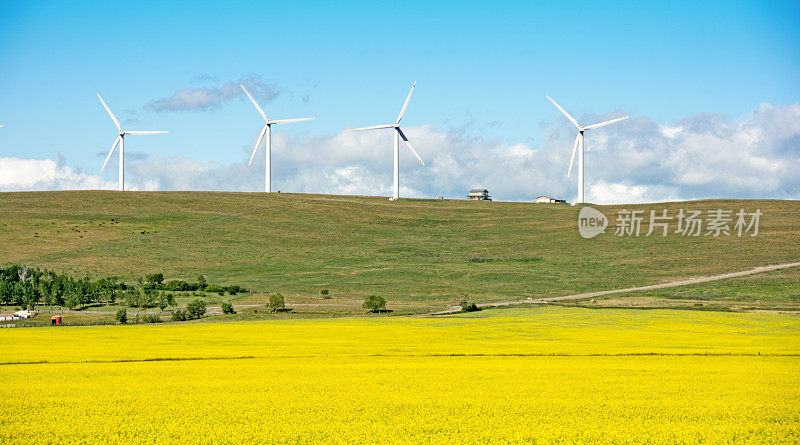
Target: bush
[[214, 288], [227, 308], [122, 316], [276, 302], [155, 278], [179, 315], [467, 306], [196, 309], [325, 294], [374, 303], [151, 318]]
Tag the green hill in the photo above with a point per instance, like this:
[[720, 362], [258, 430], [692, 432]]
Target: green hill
[[430, 250]]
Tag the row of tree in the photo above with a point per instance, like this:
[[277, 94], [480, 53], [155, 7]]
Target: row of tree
[[28, 286]]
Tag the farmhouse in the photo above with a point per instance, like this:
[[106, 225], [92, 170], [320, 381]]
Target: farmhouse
[[479, 195], [547, 200]]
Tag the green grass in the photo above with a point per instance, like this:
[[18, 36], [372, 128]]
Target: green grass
[[775, 286], [770, 291], [411, 250]]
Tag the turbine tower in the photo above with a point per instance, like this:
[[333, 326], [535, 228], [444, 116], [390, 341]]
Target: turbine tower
[[578, 146], [121, 141], [398, 134], [268, 130]]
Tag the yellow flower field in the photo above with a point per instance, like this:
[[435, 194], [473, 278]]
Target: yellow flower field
[[537, 375]]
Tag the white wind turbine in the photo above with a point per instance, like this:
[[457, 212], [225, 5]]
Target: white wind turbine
[[397, 135], [579, 143], [121, 141], [268, 130]]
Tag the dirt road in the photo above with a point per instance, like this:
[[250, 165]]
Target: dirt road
[[762, 269]]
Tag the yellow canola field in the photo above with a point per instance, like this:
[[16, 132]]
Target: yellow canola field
[[392, 380]]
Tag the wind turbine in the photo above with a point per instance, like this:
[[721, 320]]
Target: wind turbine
[[268, 130], [121, 141], [579, 143], [397, 136]]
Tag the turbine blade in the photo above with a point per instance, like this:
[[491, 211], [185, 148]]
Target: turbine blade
[[116, 122], [572, 158], [374, 127], [288, 121], [571, 119], [116, 141], [405, 139], [258, 143], [144, 132], [603, 124], [405, 105], [260, 111]]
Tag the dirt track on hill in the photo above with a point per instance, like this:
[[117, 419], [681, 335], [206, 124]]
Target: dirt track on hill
[[455, 309]]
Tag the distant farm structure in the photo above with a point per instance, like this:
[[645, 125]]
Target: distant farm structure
[[548, 200], [479, 195]]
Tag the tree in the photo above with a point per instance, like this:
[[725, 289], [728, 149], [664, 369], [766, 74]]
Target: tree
[[122, 316], [374, 303], [276, 302], [162, 302], [227, 308], [196, 309], [179, 315], [467, 306], [325, 293], [201, 281], [155, 278]]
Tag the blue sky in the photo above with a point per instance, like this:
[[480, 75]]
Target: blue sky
[[482, 70]]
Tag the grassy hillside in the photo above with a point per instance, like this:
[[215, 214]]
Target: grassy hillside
[[407, 250]]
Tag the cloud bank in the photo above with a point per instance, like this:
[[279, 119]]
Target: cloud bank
[[212, 98], [33, 174], [756, 155]]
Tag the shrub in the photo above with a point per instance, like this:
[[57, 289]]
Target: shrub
[[276, 302], [151, 318], [467, 306], [155, 278], [214, 288], [227, 308], [374, 303], [179, 315], [122, 316], [201, 281], [196, 309]]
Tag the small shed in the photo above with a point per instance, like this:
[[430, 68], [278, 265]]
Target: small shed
[[479, 195], [55, 320], [548, 200]]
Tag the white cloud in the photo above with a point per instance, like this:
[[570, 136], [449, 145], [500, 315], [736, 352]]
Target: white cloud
[[704, 156], [34, 174], [605, 193], [212, 98]]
